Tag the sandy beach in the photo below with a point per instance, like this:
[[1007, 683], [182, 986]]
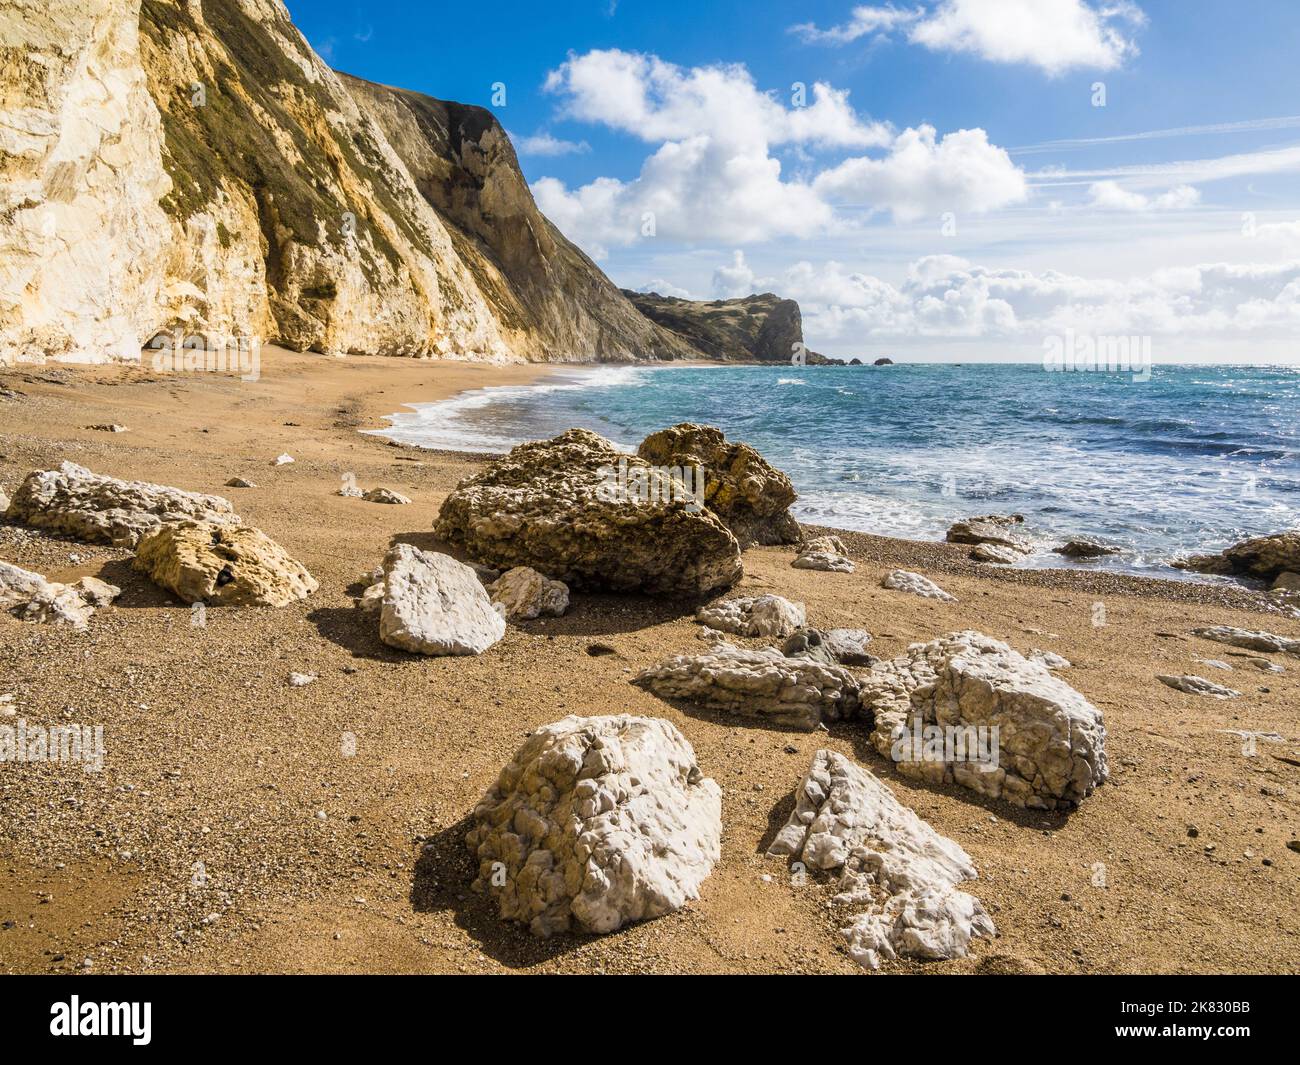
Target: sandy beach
[[234, 828]]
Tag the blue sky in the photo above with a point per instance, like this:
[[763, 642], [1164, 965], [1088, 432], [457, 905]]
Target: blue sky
[[951, 188]]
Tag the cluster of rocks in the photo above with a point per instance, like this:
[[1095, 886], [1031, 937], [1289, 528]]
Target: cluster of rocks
[[30, 597], [373, 495], [430, 603], [560, 507], [999, 539], [993, 537], [190, 544], [74, 502], [1044, 743], [824, 553], [1274, 558]]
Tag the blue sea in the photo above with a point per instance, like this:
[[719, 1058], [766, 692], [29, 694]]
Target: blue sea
[[1192, 459]]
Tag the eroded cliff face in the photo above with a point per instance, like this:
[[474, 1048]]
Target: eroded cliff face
[[82, 234], [763, 328], [192, 168], [549, 297]]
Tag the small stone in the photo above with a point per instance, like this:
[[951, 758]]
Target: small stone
[[282, 460]]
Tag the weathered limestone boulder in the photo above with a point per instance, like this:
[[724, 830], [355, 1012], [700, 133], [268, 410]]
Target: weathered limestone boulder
[[995, 555], [30, 597], [905, 581], [549, 505], [1082, 547], [998, 529], [823, 553], [894, 870], [222, 565], [1250, 639], [434, 605], [596, 822], [1265, 557], [75, 502], [753, 615], [790, 692], [385, 495], [752, 497], [1003, 726], [833, 647], [524, 594], [1194, 685]]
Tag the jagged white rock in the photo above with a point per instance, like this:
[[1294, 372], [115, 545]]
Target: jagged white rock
[[84, 505], [1194, 685], [1250, 639], [596, 822], [31, 597], [792, 692], [283, 460], [905, 581], [1050, 659], [754, 615], [824, 553], [434, 605], [1048, 750], [524, 594], [893, 866]]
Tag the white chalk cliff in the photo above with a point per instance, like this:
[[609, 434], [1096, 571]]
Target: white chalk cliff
[[192, 168]]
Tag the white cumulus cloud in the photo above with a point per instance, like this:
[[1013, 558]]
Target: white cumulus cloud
[[945, 296], [714, 174], [1111, 196], [547, 144], [1053, 35]]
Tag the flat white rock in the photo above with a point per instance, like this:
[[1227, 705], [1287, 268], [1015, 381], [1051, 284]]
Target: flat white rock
[[434, 605], [1194, 685], [791, 692], [905, 581], [1250, 639]]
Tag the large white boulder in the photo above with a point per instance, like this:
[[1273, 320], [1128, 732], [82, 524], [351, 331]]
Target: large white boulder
[[894, 870], [434, 605], [595, 822], [790, 692], [754, 615], [86, 506], [966, 708]]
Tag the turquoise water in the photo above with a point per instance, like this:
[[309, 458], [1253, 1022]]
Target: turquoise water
[[1192, 459]]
